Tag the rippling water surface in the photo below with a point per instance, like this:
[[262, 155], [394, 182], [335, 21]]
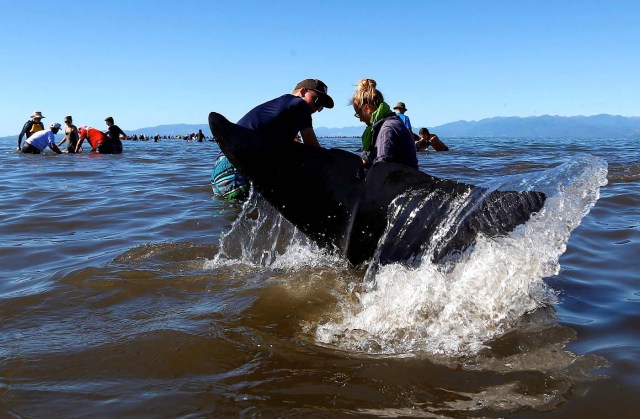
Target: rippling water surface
[[126, 289]]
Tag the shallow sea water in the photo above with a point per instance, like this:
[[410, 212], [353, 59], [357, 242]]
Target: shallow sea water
[[127, 289]]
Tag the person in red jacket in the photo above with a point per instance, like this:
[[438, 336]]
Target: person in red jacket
[[99, 141]]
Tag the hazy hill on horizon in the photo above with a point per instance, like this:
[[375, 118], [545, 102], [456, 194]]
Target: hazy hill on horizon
[[597, 126], [546, 126]]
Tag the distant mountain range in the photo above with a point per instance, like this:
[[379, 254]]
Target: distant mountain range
[[598, 126], [547, 126]]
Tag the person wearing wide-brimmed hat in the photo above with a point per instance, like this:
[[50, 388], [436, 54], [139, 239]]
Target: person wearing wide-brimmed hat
[[30, 127], [39, 141], [400, 109]]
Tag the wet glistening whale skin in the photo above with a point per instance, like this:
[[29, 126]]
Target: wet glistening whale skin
[[327, 195]]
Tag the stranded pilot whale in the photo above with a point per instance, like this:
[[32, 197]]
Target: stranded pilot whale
[[327, 195]]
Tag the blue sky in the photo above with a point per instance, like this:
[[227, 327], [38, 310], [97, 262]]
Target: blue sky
[[149, 63]]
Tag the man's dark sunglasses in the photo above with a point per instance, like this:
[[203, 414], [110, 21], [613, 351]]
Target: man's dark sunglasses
[[317, 101]]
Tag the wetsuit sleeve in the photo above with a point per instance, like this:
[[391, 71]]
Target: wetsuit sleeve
[[25, 129], [114, 132]]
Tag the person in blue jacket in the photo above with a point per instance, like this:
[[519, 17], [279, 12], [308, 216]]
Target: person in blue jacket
[[400, 109]]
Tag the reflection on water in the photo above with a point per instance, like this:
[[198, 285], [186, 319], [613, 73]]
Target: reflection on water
[[128, 291]]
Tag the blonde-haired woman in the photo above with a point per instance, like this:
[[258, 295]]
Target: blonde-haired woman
[[386, 138]]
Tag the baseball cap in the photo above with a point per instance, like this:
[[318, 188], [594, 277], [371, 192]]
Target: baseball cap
[[55, 125], [320, 88]]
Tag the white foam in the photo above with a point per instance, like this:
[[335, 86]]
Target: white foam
[[261, 237], [455, 309]]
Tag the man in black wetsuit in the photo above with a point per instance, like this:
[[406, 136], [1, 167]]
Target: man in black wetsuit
[[114, 132]]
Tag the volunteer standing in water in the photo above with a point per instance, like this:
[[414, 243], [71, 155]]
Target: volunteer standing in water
[[386, 138], [71, 135], [99, 141], [114, 133], [30, 127], [400, 110], [427, 139], [39, 141]]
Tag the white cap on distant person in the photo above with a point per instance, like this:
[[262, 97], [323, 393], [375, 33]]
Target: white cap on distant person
[[55, 125]]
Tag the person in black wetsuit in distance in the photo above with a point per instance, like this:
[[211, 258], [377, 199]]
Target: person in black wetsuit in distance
[[114, 132]]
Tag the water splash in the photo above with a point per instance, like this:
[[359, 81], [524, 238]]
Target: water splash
[[454, 308], [262, 237]]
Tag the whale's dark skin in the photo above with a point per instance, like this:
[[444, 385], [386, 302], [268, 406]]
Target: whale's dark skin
[[328, 196]]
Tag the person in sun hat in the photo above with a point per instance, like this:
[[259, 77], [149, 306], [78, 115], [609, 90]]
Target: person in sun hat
[[33, 125], [400, 109], [39, 141], [71, 135]]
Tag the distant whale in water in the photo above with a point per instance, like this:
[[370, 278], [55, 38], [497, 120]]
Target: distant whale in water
[[327, 195]]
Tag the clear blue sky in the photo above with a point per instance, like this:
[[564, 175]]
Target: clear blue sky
[[149, 63]]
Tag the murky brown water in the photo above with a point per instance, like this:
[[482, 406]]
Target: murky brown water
[[115, 302]]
